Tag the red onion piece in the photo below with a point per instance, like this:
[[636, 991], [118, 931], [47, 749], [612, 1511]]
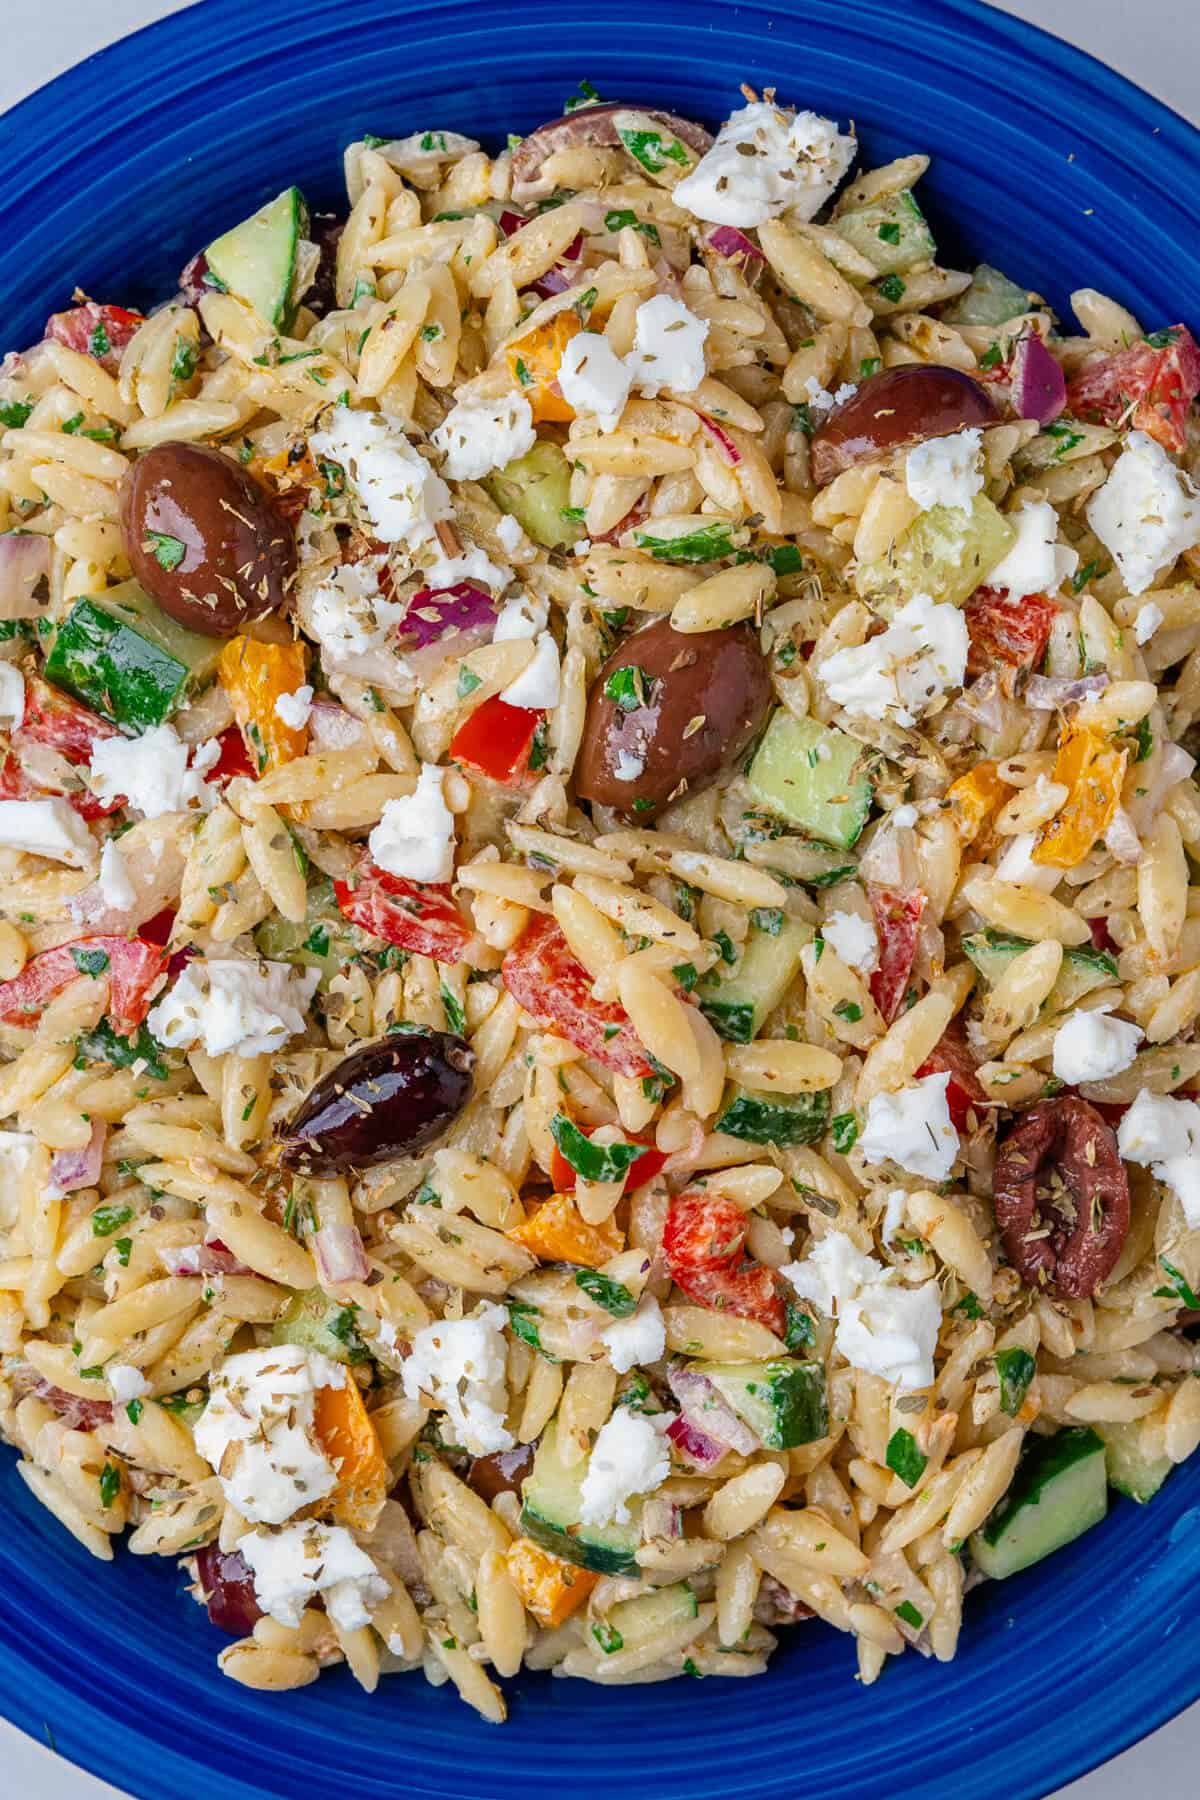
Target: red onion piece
[[510, 222], [1039, 387], [333, 728], [24, 563], [72, 1169], [727, 240], [707, 1412], [228, 1588], [76, 1414], [1046, 693], [201, 1259], [702, 1451], [661, 1519], [340, 1253], [558, 279], [721, 438], [434, 611]]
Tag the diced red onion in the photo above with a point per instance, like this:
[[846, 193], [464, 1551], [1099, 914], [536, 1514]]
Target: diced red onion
[[510, 222], [1039, 387], [702, 1451], [725, 444], [1047, 693], [727, 240], [557, 280], [703, 1406], [333, 728], [24, 563], [227, 1585], [76, 1414], [661, 1519], [340, 1253], [434, 611], [72, 1169], [214, 1258]]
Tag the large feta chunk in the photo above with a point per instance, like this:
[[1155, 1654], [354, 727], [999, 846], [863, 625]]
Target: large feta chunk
[[151, 773], [883, 1327], [594, 380], [639, 1340], [902, 673], [766, 161], [912, 1128], [295, 709], [945, 471], [47, 828], [540, 682], [478, 436], [460, 1365], [293, 1566], [1146, 514], [1163, 1134], [1037, 563], [258, 1431], [401, 496], [415, 836], [1091, 1046], [116, 888], [470, 564], [524, 616], [349, 615], [854, 939], [630, 1456], [668, 347], [229, 1003], [1016, 864]]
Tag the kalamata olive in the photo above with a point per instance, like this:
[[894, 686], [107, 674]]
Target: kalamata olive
[[595, 128], [205, 539], [896, 408], [500, 1473], [384, 1100], [325, 231], [1061, 1197], [228, 1588], [670, 708]]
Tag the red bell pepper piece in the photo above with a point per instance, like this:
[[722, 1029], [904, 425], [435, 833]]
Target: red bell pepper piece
[[99, 331], [418, 916], [1149, 386], [643, 1170], [547, 979], [15, 784], [496, 740], [702, 1242], [234, 759], [952, 1056], [898, 923], [52, 717], [1012, 632], [133, 969]]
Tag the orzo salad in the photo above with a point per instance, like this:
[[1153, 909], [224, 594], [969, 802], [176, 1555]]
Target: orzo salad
[[599, 945]]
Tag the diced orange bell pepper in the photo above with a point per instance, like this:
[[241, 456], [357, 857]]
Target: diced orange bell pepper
[[974, 798], [1093, 770], [533, 362], [550, 1588], [556, 1232], [351, 1443], [254, 675]]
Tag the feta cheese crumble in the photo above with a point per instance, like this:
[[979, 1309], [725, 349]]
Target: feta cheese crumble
[[348, 614], [524, 616], [1163, 1134], [1037, 563], [116, 889], [902, 673], [945, 471], [912, 1128], [668, 347], [126, 1383], [1146, 514], [540, 682], [400, 494], [471, 564], [460, 1365], [854, 939], [630, 1456], [151, 774], [295, 709], [1149, 618], [258, 1432], [639, 1340], [478, 436], [49, 828], [1016, 865], [291, 1567], [883, 1327], [593, 379], [251, 1008], [1091, 1046], [513, 539], [415, 836], [766, 161]]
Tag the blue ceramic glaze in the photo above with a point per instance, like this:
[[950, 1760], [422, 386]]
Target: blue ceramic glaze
[[1047, 164]]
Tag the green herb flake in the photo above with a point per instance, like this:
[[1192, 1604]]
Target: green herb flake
[[521, 1316], [456, 1018], [1016, 1369], [107, 1219], [627, 687], [991, 357], [969, 1307], [168, 551], [611, 1295], [468, 681], [870, 365], [133, 1411], [890, 233], [891, 289], [99, 343], [844, 1131], [849, 1010], [123, 1248], [904, 1458], [595, 1162], [110, 1485], [15, 413], [607, 1636], [908, 1612], [798, 1331], [1180, 1290], [618, 220]]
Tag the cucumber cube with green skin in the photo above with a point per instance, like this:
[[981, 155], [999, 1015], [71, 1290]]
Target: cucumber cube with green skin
[[1060, 1490], [122, 656], [315, 1322], [783, 1400], [891, 233], [737, 1001], [1130, 1470], [322, 940], [1084, 968], [810, 775], [991, 299], [257, 259], [946, 553], [774, 1118], [550, 1514], [535, 489], [640, 1621]]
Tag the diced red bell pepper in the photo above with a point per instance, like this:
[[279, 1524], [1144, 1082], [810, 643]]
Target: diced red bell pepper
[[702, 1242], [1149, 386], [234, 759], [952, 1056], [1012, 632], [15, 784], [132, 967], [418, 916], [898, 923], [496, 740], [99, 331], [643, 1170], [158, 929], [1102, 937], [227, 1584], [548, 980], [52, 717], [638, 513]]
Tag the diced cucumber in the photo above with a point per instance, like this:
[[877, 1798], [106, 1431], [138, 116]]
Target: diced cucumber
[[991, 299], [810, 774], [783, 1401], [124, 657], [550, 1515], [536, 490], [316, 1322], [257, 259], [321, 940], [635, 1623], [946, 553], [1130, 1470], [891, 233], [738, 1002], [774, 1118], [1083, 968], [1060, 1491]]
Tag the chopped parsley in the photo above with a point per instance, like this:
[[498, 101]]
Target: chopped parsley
[[908, 1612], [521, 1316], [105, 1044], [468, 681], [595, 1162], [904, 1458], [849, 1010], [133, 1411], [14, 413], [110, 1484], [619, 219], [844, 1131], [611, 1295], [891, 289], [1016, 1369], [1180, 1289], [168, 551], [627, 687], [456, 1018]]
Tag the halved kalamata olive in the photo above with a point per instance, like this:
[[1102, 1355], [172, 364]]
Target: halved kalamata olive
[[228, 1588], [668, 711], [595, 128], [1061, 1197], [896, 408], [205, 538], [384, 1100], [325, 230], [500, 1473]]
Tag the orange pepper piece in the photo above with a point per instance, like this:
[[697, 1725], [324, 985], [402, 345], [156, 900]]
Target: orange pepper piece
[[254, 675], [974, 798], [533, 362], [550, 1588], [1089, 766], [558, 1233], [351, 1443]]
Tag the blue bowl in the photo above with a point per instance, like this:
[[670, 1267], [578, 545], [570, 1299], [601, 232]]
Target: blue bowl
[[1045, 163]]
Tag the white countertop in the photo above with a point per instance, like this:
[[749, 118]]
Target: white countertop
[[1161, 53]]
